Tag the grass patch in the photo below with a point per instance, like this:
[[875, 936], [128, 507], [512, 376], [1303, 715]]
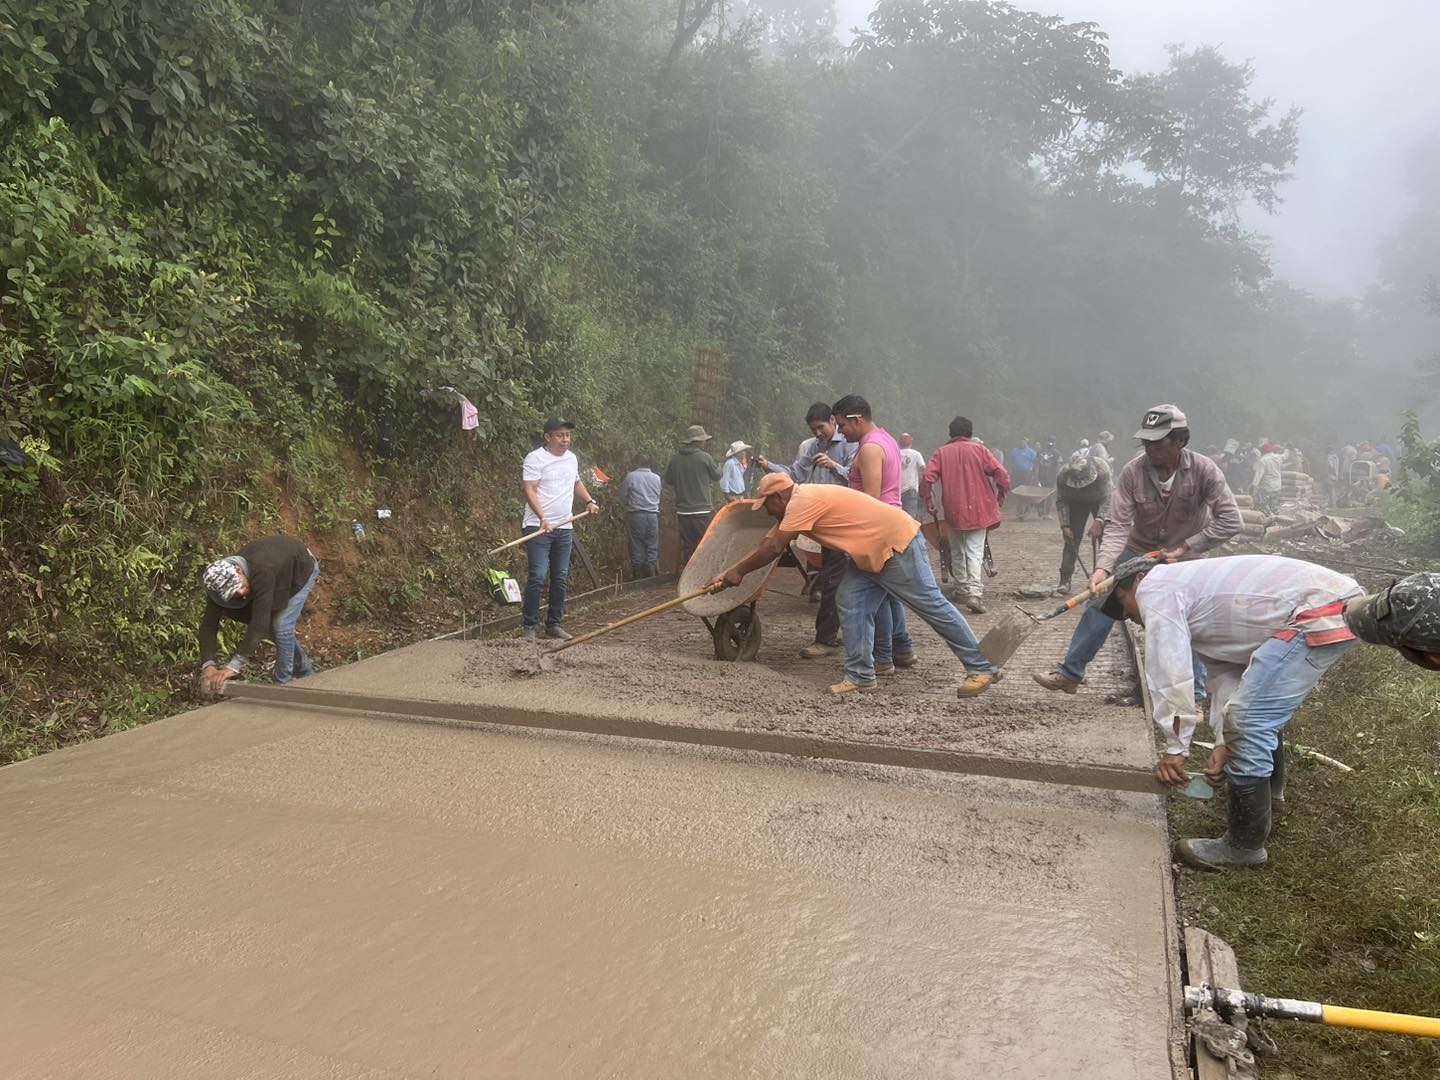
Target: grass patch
[[1348, 911]]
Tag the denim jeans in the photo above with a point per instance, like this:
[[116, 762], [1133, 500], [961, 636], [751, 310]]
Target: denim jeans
[[290, 660], [910, 500], [549, 558], [891, 634], [1280, 675], [1094, 628], [644, 529], [906, 577]]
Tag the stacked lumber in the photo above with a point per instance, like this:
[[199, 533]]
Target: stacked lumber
[[1244, 501]]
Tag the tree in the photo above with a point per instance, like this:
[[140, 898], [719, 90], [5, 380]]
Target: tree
[[1221, 147]]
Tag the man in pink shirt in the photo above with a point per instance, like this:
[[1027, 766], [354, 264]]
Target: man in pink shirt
[[876, 472], [973, 485]]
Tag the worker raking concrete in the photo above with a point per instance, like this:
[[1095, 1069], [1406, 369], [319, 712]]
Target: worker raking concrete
[[888, 560], [1268, 629]]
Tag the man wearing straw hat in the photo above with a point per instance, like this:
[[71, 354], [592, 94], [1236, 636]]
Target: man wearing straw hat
[[887, 559], [551, 480], [732, 475], [691, 472]]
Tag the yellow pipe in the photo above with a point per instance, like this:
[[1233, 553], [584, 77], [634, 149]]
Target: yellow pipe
[[1369, 1020]]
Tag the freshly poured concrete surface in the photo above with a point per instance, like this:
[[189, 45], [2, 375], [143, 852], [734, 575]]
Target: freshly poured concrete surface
[[249, 891]]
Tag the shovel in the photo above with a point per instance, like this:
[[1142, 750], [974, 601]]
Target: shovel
[[531, 536], [1004, 639]]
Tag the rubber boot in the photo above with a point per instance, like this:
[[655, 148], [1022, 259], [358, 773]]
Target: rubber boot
[[1244, 842], [1277, 784]]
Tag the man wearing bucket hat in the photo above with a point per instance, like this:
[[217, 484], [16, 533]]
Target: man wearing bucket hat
[[265, 584], [887, 559], [1167, 499], [1268, 628], [732, 474], [1082, 492], [692, 472]]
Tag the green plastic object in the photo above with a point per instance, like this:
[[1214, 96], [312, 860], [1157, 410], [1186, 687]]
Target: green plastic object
[[1198, 787]]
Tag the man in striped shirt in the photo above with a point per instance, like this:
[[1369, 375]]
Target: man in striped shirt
[[1267, 628]]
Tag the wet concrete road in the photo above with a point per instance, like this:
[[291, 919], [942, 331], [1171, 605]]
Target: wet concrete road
[[252, 891]]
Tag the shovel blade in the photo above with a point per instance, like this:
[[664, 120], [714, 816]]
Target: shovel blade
[[1003, 640]]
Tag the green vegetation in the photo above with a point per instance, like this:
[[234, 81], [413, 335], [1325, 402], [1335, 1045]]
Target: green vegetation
[[1348, 911]]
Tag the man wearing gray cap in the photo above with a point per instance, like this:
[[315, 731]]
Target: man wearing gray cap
[[1168, 499], [691, 473], [1268, 628]]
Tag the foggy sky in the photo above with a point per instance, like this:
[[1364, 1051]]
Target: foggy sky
[[1366, 76]]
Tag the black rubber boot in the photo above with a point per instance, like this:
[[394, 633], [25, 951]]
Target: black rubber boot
[[1244, 842], [1277, 784]]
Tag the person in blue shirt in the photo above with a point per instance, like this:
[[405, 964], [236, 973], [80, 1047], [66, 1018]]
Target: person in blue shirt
[[640, 496], [1023, 460], [732, 474], [824, 458]]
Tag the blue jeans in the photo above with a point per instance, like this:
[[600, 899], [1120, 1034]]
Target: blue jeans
[[549, 558], [891, 634], [906, 577], [644, 530], [910, 500], [290, 660], [1094, 628], [1280, 675]]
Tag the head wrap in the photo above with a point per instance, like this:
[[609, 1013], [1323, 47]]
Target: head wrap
[[223, 580], [1406, 613]]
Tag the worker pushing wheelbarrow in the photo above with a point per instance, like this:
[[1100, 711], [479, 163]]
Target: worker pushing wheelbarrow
[[731, 617]]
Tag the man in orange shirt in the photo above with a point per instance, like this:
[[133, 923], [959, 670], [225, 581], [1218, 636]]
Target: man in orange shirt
[[888, 558]]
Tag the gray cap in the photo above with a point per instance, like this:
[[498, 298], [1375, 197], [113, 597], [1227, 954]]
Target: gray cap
[[1159, 421], [1406, 613], [1125, 575], [696, 434]]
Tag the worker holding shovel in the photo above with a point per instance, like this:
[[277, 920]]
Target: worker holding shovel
[[1268, 628], [551, 481], [888, 559], [1168, 499]]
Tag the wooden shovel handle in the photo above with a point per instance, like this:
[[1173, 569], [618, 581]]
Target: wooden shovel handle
[[666, 606], [531, 536]]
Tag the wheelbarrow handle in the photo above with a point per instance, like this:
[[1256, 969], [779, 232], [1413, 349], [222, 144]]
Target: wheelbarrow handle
[[666, 606]]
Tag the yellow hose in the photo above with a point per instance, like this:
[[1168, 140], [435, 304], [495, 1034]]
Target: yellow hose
[[1369, 1020]]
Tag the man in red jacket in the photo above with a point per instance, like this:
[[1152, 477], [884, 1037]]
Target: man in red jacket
[[973, 485]]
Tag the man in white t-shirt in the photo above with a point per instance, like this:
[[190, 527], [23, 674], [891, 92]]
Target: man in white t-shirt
[[551, 481], [912, 465]]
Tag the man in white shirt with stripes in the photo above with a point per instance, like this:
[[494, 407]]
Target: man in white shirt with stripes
[[1268, 628]]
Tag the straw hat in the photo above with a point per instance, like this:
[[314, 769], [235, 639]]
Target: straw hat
[[737, 447]]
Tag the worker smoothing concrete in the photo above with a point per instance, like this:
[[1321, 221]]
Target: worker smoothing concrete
[[888, 560], [1268, 629], [264, 584]]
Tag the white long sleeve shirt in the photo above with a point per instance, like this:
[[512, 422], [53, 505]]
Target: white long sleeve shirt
[[1224, 609]]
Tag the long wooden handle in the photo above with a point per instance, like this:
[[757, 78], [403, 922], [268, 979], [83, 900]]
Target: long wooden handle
[[531, 536], [666, 606]]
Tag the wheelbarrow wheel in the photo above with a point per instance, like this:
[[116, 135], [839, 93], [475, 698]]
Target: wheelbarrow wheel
[[737, 634]]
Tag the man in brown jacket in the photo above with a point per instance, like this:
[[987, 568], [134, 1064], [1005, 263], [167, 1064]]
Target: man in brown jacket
[[1167, 499], [264, 584]]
